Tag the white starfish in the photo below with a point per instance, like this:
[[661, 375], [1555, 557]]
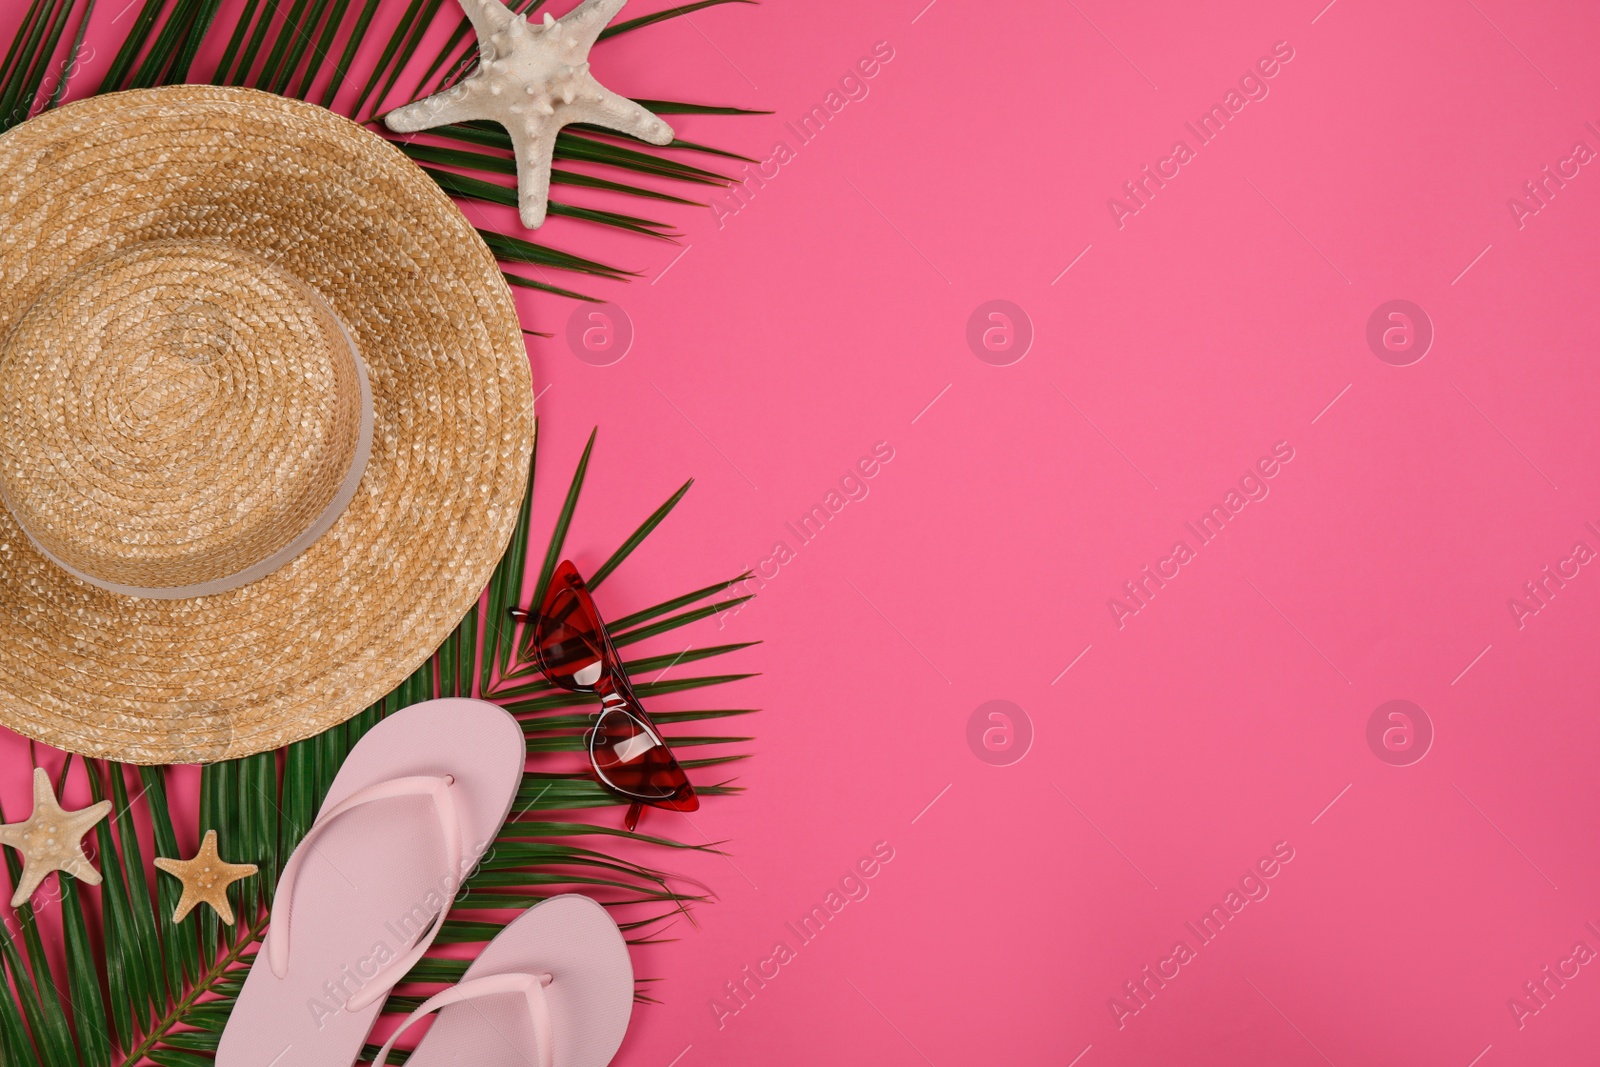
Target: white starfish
[[533, 79], [51, 839]]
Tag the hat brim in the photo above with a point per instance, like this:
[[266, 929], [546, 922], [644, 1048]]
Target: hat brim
[[328, 634]]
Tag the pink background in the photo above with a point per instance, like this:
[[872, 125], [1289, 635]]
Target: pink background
[[774, 347]]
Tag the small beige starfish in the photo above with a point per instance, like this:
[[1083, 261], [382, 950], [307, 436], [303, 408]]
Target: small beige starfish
[[533, 79], [50, 839], [206, 879]]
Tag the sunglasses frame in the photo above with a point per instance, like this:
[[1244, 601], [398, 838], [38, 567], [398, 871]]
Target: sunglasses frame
[[613, 686]]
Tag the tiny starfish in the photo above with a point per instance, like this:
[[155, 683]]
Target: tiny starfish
[[533, 80], [50, 840], [206, 879]]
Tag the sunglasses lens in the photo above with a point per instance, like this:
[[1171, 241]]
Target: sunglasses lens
[[632, 759], [567, 635]]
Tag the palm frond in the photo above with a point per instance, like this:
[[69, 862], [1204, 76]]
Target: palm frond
[[558, 536], [636, 538], [674, 107], [174, 47], [71, 61], [42, 1002], [341, 70], [405, 37], [489, 192], [28, 61], [661, 16], [83, 980], [294, 34]]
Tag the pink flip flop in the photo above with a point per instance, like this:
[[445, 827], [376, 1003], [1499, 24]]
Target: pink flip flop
[[416, 804], [555, 989]]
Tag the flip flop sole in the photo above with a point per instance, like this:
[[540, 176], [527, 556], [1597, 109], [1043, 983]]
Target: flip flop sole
[[374, 881], [591, 996]]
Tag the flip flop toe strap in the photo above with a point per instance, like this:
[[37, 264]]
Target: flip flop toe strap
[[529, 986], [438, 788]]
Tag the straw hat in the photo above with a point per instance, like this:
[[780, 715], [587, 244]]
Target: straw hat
[[265, 422]]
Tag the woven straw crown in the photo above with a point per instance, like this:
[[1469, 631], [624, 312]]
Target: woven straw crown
[[265, 422], [207, 417]]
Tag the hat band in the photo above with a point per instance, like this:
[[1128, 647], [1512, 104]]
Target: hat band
[[261, 568]]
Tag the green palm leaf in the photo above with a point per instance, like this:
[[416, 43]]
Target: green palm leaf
[[28, 60], [41, 997], [83, 980], [661, 16], [132, 958]]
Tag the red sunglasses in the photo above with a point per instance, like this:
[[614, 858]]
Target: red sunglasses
[[575, 652]]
